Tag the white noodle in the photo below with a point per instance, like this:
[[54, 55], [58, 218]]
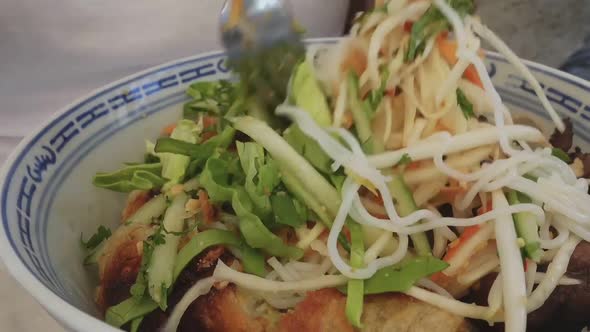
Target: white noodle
[[495, 296], [200, 288], [450, 305], [427, 149], [284, 273], [555, 272], [499, 45], [513, 280], [563, 281], [433, 286], [530, 275], [252, 282]]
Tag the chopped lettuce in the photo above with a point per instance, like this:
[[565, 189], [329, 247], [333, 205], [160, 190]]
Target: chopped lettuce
[[214, 97], [174, 165], [307, 94], [262, 176], [288, 211], [217, 181]]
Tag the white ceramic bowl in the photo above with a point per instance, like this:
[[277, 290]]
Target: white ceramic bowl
[[47, 199]]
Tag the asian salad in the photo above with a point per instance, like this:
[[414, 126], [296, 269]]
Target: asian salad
[[387, 164]]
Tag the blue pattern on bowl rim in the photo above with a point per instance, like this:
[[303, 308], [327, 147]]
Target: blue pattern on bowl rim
[[40, 165]]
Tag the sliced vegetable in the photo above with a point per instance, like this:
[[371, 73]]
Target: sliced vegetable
[[129, 310], [307, 94], [94, 255], [406, 206], [174, 165], [285, 211], [251, 259], [354, 298], [262, 176], [431, 23], [291, 162], [198, 153], [151, 210], [135, 324], [465, 105], [308, 148], [215, 180], [135, 177], [559, 153], [139, 288], [361, 113], [526, 227], [256, 234], [401, 278], [161, 265]]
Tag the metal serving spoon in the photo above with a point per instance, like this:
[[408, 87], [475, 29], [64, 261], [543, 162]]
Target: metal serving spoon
[[263, 44]]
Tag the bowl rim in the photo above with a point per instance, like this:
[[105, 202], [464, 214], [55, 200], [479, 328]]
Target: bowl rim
[[65, 313]]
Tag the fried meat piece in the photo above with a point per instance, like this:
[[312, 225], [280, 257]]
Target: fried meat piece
[[324, 310]]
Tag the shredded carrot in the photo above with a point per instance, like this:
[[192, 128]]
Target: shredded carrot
[[451, 192], [408, 26], [355, 60], [347, 120], [209, 121], [448, 50], [208, 135], [485, 209], [167, 131], [414, 165], [454, 246], [206, 207]]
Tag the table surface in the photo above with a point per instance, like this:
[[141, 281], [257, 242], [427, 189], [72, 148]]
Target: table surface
[[539, 34]]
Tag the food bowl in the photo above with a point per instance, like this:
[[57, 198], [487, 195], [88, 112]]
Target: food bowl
[[47, 199]]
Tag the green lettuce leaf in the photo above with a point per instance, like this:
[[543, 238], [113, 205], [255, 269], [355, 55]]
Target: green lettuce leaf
[[134, 177], [262, 176], [215, 179]]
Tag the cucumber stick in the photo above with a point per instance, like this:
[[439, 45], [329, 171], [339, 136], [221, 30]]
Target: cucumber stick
[[160, 270], [405, 206], [526, 227], [154, 208], [361, 116]]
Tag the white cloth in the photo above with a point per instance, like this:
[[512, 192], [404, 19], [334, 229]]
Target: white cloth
[[52, 52]]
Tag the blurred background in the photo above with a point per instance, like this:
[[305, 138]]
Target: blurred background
[[53, 52]]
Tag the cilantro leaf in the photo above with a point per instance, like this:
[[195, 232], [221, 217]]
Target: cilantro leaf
[[102, 233], [404, 160], [431, 23]]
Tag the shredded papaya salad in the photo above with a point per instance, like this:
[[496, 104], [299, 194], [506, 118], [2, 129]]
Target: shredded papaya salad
[[390, 165]]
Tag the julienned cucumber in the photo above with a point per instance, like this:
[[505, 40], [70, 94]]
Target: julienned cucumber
[[405, 206], [526, 227], [361, 116]]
